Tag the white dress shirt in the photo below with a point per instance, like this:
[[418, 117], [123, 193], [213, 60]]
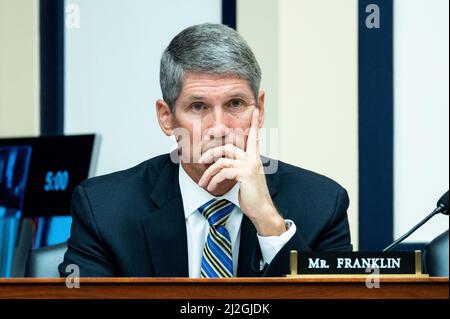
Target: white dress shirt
[[197, 226]]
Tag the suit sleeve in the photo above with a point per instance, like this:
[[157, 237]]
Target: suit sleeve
[[335, 238], [84, 247]]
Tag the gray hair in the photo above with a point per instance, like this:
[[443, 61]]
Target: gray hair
[[206, 48]]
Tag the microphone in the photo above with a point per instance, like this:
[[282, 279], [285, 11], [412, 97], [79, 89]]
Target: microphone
[[443, 204], [442, 208]]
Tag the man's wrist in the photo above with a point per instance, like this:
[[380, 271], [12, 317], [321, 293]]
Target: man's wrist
[[270, 223]]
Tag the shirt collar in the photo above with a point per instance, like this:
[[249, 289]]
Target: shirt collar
[[194, 196]]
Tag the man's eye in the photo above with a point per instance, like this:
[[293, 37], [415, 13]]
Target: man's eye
[[236, 103], [197, 107]]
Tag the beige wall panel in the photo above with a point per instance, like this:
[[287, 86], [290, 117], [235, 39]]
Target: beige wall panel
[[19, 67]]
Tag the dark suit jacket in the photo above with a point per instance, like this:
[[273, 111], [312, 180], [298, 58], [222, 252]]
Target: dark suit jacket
[[131, 223]]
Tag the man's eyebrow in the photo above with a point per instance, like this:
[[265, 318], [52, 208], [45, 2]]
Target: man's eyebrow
[[238, 96], [241, 96], [232, 95], [195, 97]]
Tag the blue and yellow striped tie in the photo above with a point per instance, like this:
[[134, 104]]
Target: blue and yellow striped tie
[[217, 260]]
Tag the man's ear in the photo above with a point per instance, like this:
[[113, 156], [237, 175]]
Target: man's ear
[[165, 117], [261, 99]]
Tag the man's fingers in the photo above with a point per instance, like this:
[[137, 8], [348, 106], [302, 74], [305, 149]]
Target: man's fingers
[[228, 150], [222, 163], [253, 136], [226, 173]]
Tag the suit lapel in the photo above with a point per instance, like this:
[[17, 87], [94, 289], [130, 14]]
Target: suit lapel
[[165, 227]]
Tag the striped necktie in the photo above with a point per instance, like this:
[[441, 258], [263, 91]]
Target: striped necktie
[[217, 261]]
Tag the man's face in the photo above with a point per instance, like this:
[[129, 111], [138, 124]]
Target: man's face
[[214, 110]]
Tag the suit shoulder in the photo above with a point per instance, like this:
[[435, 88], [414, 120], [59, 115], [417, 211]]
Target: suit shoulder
[[145, 170], [306, 178]]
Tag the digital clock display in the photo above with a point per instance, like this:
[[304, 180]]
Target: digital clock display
[[56, 181]]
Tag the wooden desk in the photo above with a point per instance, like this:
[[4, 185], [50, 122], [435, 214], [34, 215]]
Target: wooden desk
[[236, 288]]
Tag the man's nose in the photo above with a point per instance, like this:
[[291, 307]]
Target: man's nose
[[219, 127]]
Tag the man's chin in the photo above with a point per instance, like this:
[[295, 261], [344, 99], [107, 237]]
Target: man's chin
[[199, 167], [205, 166]]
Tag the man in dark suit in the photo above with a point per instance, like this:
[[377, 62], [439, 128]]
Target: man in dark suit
[[211, 208]]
